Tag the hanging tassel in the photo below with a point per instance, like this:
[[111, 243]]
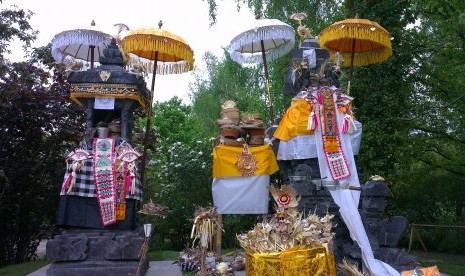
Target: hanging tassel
[[72, 182], [312, 121], [66, 183], [133, 184], [352, 127], [320, 98], [131, 178], [345, 124], [128, 181], [348, 124], [76, 167]]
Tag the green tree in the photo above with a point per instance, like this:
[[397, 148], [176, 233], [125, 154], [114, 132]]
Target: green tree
[[226, 80], [437, 127], [37, 125], [383, 93], [179, 172]]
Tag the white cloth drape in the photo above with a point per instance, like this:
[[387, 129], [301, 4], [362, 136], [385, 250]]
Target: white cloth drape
[[348, 200], [304, 146], [241, 195]]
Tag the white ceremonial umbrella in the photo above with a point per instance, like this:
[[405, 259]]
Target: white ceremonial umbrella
[[81, 44], [265, 41]]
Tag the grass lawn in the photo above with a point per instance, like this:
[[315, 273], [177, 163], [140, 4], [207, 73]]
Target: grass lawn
[[29, 267], [447, 263], [24, 268], [163, 255]]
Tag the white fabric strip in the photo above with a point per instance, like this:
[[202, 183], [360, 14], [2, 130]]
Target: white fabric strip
[[348, 200]]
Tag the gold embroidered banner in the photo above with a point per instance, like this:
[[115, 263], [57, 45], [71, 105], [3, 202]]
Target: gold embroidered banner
[[107, 90], [226, 158]]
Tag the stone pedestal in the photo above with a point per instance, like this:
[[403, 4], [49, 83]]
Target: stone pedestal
[[96, 252], [384, 235]]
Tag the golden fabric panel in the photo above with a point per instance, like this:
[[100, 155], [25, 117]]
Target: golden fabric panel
[[293, 262], [295, 121], [225, 159]]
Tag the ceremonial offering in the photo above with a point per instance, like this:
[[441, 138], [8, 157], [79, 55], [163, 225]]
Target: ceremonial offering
[[289, 242]]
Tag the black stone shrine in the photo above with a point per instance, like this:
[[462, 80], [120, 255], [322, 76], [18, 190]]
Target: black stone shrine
[[84, 246]]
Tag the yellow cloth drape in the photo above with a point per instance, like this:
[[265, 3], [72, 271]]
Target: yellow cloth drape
[[295, 121], [295, 261], [225, 159]]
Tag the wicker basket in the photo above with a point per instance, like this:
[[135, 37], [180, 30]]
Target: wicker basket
[[230, 113], [230, 131], [256, 141], [247, 118], [228, 121], [259, 132], [115, 126], [232, 142]]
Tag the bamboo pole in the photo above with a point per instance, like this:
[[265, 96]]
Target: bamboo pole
[[411, 238], [218, 237]]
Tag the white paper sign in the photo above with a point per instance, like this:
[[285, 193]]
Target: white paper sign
[[104, 103]]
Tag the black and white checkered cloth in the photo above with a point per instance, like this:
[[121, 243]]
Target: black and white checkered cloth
[[85, 185]]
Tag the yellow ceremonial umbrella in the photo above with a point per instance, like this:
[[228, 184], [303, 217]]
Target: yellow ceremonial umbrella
[[161, 52], [359, 41]]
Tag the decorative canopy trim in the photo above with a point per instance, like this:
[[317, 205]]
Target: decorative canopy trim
[[163, 68], [75, 37], [145, 43], [118, 91], [373, 42]]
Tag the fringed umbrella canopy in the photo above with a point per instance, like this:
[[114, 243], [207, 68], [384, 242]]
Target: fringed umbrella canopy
[[359, 41], [159, 52], [80, 44], [366, 40], [265, 41], [278, 39], [173, 54]]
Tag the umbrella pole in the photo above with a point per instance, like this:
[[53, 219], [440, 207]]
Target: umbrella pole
[[149, 116], [351, 65], [92, 48], [267, 78]]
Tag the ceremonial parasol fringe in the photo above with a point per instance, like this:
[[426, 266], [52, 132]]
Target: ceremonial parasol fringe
[[366, 59], [163, 68], [85, 37], [272, 33], [174, 50], [360, 32]]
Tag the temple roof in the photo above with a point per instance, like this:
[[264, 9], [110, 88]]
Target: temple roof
[[108, 80]]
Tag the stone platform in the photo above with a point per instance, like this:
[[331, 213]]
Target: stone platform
[[96, 252]]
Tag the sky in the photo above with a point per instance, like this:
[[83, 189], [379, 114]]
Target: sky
[[188, 19]]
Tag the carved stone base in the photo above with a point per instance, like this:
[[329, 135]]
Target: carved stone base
[[96, 252], [97, 268]]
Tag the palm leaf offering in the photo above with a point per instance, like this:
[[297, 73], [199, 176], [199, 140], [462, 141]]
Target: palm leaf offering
[[288, 228]]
